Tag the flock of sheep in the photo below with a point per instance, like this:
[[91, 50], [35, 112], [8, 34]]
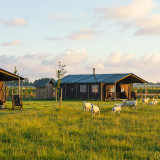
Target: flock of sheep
[[117, 108]]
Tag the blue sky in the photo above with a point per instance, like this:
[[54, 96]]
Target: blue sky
[[113, 36]]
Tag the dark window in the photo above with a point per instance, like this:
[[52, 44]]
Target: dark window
[[95, 88], [83, 88]]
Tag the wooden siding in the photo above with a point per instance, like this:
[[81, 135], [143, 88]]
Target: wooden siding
[[45, 92]]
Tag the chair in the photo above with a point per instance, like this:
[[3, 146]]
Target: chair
[[17, 101]]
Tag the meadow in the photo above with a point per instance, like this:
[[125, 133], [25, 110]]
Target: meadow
[[42, 130]]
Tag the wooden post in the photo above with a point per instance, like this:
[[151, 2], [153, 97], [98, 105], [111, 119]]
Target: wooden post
[[115, 92], [101, 91], [56, 93], [19, 87], [65, 92], [88, 91], [61, 95]]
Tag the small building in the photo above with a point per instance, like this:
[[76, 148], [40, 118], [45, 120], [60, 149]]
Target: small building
[[44, 89], [99, 86], [4, 77]]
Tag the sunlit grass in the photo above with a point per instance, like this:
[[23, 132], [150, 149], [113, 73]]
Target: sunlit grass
[[45, 131]]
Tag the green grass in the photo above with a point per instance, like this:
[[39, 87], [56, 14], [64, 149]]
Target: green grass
[[45, 131]]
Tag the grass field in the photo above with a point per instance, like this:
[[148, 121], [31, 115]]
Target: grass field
[[45, 131]]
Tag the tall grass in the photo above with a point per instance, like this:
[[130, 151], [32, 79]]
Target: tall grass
[[45, 131]]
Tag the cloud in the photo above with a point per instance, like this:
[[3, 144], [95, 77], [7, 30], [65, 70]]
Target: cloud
[[138, 14], [145, 66], [59, 17], [15, 22], [136, 9], [37, 66], [84, 33], [12, 43], [71, 57], [55, 39]]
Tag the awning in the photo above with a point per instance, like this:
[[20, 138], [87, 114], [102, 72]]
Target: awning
[[8, 76]]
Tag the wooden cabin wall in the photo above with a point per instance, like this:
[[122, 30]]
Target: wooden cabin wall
[[45, 92], [50, 91]]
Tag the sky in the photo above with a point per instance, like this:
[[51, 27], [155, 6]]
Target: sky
[[112, 36]]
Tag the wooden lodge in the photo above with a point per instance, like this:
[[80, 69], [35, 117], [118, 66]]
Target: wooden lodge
[[99, 86], [44, 89], [6, 76]]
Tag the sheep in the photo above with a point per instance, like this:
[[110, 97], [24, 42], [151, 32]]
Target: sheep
[[145, 100], [119, 104], [117, 108], [130, 103], [86, 106], [95, 109], [154, 102]]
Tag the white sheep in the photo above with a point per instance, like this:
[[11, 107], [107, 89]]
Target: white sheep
[[119, 104], [86, 106], [154, 102], [145, 100], [117, 108], [95, 109], [130, 103]]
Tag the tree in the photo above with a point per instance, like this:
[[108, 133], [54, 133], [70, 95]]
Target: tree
[[16, 73], [60, 73]]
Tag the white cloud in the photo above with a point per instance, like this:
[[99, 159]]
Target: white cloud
[[136, 15], [84, 33], [15, 22], [59, 17], [37, 66], [138, 8], [12, 43]]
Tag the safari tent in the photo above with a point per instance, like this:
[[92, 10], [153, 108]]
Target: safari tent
[[99, 86], [4, 77]]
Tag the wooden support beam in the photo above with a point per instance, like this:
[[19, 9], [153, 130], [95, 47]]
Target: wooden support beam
[[56, 93], [101, 91], [88, 91], [115, 92], [19, 87], [65, 92]]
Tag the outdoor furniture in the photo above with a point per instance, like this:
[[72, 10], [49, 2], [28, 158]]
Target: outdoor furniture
[[17, 101]]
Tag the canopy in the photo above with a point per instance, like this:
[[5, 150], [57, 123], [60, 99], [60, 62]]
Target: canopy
[[8, 76]]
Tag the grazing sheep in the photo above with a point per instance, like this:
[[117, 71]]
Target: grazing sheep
[[95, 109], [130, 103], [154, 102], [117, 108], [145, 100], [86, 106], [119, 104]]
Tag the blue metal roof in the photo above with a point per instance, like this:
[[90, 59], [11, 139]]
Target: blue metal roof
[[98, 78]]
